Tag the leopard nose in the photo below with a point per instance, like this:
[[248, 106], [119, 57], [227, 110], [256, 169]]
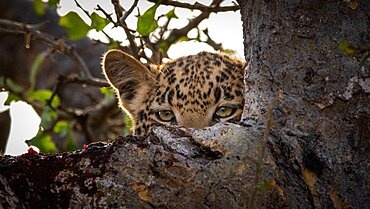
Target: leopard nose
[[195, 121]]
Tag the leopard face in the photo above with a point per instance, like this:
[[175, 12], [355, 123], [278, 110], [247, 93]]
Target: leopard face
[[194, 91]]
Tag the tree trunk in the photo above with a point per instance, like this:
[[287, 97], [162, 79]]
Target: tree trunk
[[322, 146], [317, 151]]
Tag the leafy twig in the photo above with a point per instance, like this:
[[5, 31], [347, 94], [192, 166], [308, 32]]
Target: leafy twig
[[88, 14], [108, 16]]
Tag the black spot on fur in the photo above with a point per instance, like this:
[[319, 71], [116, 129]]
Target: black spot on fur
[[180, 64], [219, 79], [217, 63], [217, 94], [170, 96], [141, 115], [228, 96], [229, 65], [138, 131], [204, 95], [171, 79], [238, 93], [224, 76]]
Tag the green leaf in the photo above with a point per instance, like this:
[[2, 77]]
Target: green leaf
[[146, 22], [108, 95], [346, 48], [171, 14], [11, 97], [63, 128], [43, 96], [183, 38], [114, 45], [75, 26], [229, 51], [97, 22], [48, 116], [38, 7], [164, 46], [53, 3], [35, 68], [43, 142], [71, 146]]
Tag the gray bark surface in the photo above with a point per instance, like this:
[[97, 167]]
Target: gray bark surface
[[317, 152], [322, 148]]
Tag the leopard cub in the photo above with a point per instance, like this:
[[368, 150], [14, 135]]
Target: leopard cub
[[193, 91]]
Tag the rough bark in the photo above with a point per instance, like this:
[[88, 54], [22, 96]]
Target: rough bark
[[318, 150], [171, 169], [322, 148]]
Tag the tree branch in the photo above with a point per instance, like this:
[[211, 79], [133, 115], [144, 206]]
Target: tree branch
[[130, 10], [12, 27], [177, 33], [198, 6], [211, 42]]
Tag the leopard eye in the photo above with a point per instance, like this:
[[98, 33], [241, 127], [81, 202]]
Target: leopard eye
[[224, 111], [165, 116]]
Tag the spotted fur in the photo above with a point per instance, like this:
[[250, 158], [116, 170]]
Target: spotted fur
[[191, 87]]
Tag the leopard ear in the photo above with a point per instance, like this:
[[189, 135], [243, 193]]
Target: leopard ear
[[130, 79]]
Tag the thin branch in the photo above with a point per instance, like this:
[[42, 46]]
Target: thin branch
[[79, 6], [177, 33], [92, 82], [16, 28], [198, 6], [164, 28], [130, 10], [88, 14], [131, 38], [109, 17], [54, 93], [212, 43], [117, 9]]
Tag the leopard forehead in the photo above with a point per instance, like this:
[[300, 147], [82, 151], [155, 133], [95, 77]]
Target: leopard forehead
[[194, 82]]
